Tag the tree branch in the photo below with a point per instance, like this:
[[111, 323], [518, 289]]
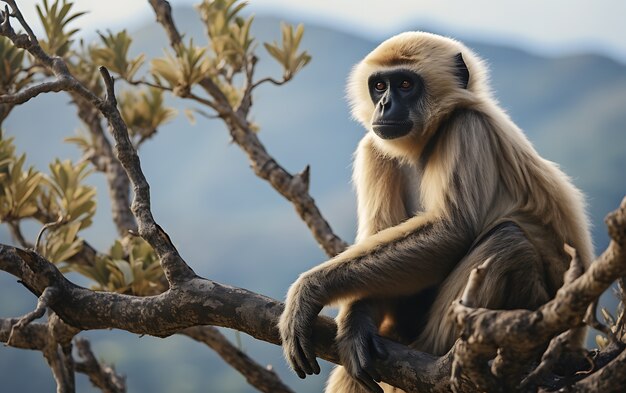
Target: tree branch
[[101, 375], [38, 336], [293, 188], [32, 92], [104, 160], [264, 379], [175, 268], [523, 332], [204, 302]]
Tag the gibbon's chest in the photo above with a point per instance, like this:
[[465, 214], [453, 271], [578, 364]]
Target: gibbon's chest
[[411, 190]]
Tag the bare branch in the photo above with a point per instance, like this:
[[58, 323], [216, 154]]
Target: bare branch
[[163, 12], [59, 358], [44, 228], [32, 92], [102, 376], [270, 80], [47, 298], [264, 379], [40, 336], [591, 320], [104, 160], [18, 15], [32, 336]]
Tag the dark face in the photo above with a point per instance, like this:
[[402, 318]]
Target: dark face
[[396, 95]]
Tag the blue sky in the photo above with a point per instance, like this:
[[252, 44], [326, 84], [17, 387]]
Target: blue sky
[[548, 27]]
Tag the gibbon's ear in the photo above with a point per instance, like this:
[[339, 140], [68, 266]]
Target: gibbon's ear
[[461, 70]]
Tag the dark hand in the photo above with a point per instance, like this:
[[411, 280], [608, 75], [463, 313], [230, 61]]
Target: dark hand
[[296, 329]]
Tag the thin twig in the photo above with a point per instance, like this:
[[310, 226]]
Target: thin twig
[[18, 15], [270, 80], [47, 298], [31, 92], [591, 320], [44, 228]]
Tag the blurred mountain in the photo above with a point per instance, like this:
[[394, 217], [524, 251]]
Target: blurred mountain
[[234, 228]]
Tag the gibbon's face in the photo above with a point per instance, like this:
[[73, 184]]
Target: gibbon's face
[[403, 88], [395, 94]]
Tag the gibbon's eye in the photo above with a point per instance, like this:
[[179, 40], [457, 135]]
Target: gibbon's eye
[[406, 84], [380, 86]]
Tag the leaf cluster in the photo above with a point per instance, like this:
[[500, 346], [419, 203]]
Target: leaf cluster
[[13, 76], [287, 54], [60, 197], [61, 200], [229, 33], [19, 187], [55, 19], [114, 54], [144, 112], [182, 70], [133, 269]]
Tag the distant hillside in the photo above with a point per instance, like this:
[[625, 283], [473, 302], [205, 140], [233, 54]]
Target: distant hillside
[[232, 226]]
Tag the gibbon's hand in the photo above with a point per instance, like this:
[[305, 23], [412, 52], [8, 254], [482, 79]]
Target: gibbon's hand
[[296, 329], [359, 344]]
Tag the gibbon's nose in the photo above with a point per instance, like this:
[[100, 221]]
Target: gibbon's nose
[[385, 102]]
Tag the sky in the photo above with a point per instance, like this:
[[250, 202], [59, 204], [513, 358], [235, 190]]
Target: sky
[[542, 26]]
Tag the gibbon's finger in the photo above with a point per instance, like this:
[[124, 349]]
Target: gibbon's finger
[[372, 372], [367, 382], [365, 361], [302, 360], [294, 365], [309, 353]]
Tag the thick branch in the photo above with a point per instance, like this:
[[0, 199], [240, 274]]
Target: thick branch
[[204, 302]]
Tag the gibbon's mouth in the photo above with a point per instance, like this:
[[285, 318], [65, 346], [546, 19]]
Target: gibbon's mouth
[[389, 129]]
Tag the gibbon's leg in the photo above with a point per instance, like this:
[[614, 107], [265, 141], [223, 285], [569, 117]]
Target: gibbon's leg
[[514, 279], [341, 382]]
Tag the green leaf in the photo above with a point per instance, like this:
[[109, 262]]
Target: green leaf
[[66, 196], [126, 270], [288, 54], [187, 68], [114, 54], [55, 20], [144, 112]]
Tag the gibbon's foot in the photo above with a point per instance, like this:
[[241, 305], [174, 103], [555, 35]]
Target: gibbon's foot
[[358, 347]]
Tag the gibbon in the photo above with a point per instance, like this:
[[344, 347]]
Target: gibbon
[[444, 180]]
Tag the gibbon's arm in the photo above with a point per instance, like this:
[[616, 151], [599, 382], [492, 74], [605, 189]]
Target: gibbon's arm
[[413, 255]]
